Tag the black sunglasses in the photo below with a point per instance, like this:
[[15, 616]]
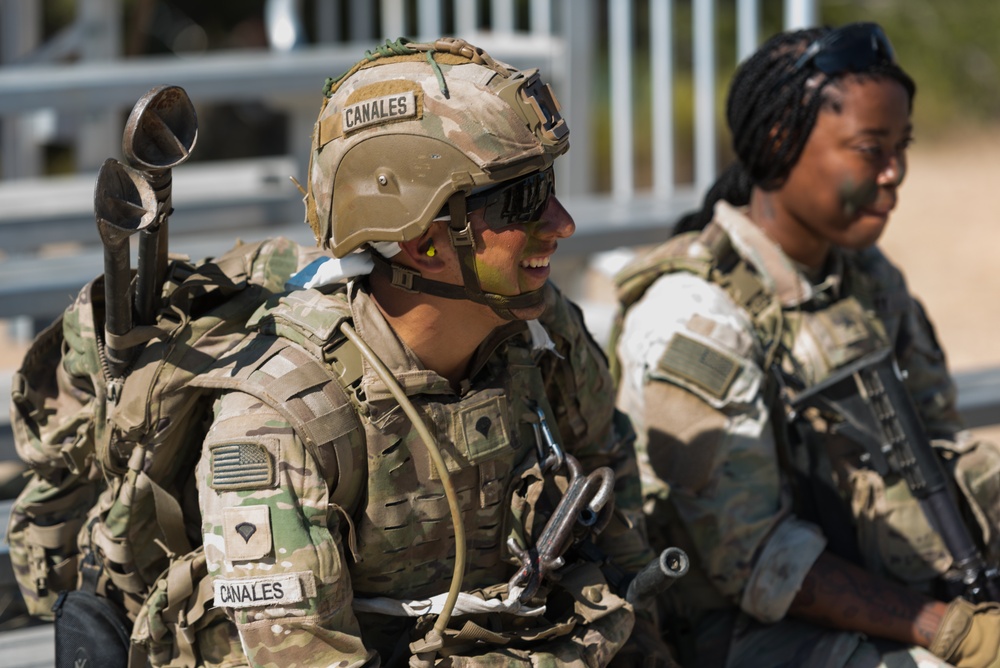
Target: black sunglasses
[[515, 202], [851, 48]]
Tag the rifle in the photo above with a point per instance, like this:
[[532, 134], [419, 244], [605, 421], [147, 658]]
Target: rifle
[[877, 412]]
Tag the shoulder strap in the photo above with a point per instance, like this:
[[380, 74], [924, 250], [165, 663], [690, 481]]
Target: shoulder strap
[[312, 396], [710, 255]]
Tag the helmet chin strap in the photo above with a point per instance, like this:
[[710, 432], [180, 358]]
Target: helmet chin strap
[[460, 232]]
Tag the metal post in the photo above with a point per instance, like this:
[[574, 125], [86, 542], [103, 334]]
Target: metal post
[[622, 117], [662, 70], [20, 30], [283, 23], [541, 18], [393, 19], [99, 131], [575, 78], [704, 94], [502, 16], [747, 28], [429, 19], [800, 14], [466, 18]]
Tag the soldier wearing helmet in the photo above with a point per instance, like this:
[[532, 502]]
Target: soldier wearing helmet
[[467, 400]]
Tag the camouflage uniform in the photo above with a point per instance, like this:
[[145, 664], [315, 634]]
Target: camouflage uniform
[[292, 568], [326, 530], [714, 452]]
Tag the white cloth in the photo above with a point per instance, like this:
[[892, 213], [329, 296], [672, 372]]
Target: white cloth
[[466, 604], [540, 339], [328, 270]]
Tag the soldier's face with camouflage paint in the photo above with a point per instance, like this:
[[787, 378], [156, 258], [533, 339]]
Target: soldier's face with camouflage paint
[[515, 259], [844, 186]]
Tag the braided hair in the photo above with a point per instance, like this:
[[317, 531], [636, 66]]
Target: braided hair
[[771, 111]]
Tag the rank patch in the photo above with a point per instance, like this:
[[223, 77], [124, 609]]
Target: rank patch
[[480, 431], [699, 365], [241, 466], [247, 532]]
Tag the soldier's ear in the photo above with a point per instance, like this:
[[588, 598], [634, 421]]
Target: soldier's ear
[[423, 253]]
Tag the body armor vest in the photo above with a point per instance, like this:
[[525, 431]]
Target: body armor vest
[[488, 444], [374, 455], [801, 346]]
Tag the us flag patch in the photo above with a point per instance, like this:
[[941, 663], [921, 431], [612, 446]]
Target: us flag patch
[[241, 466]]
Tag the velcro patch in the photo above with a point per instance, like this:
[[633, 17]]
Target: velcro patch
[[241, 466], [700, 365], [265, 591], [481, 429], [247, 532], [379, 110]]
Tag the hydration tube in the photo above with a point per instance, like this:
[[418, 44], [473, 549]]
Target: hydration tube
[[424, 650]]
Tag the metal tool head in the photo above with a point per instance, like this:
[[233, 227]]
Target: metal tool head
[[124, 202], [162, 129]]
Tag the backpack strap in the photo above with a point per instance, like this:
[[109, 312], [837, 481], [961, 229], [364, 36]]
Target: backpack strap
[[312, 396], [710, 255]]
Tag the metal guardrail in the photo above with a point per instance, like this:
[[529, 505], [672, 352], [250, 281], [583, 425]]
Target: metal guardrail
[[215, 203]]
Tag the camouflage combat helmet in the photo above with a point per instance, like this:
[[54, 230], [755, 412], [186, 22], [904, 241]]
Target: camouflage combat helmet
[[414, 128]]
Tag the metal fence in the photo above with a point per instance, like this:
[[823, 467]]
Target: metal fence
[[616, 65]]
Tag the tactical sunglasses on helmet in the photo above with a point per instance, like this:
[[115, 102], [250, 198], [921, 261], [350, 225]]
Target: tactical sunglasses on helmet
[[518, 201], [851, 48]]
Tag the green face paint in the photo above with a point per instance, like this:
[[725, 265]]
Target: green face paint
[[492, 279], [498, 264], [856, 196]]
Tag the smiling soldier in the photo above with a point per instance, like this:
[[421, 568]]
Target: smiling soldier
[[465, 386]]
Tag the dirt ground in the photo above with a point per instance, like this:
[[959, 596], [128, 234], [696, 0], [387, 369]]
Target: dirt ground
[[945, 236]]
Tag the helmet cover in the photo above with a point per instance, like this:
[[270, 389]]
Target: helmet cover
[[411, 125]]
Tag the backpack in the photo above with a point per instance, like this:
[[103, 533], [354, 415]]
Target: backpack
[[111, 505]]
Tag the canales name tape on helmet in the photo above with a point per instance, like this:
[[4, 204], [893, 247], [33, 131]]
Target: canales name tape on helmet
[[379, 110]]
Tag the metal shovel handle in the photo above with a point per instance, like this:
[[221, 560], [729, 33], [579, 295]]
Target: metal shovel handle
[[160, 134], [124, 204]]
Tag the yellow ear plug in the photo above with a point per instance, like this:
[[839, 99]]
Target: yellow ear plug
[[431, 251]]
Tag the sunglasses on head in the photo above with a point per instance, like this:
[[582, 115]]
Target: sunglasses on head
[[851, 48], [515, 202]]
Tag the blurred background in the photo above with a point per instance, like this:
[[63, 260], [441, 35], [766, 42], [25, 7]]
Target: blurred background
[[642, 83]]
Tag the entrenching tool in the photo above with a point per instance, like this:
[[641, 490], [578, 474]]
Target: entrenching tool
[[160, 134], [124, 204]]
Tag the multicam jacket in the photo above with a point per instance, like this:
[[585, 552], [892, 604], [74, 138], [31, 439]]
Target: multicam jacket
[[697, 379], [294, 570]]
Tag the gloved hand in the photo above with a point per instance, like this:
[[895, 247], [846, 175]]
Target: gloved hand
[[969, 636], [645, 648]]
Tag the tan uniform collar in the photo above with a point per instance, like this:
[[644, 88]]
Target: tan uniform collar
[[403, 362], [778, 272]]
